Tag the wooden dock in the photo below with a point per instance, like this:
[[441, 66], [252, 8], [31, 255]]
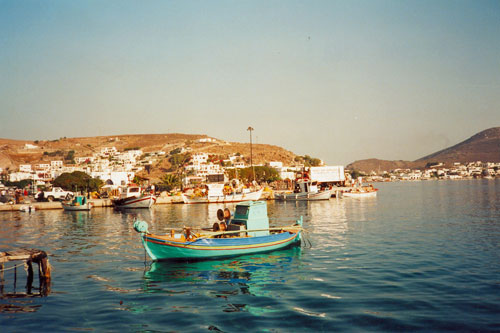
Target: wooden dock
[[26, 258]]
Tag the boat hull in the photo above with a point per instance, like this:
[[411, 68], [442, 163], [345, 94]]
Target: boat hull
[[69, 207], [370, 194], [303, 196], [135, 202], [239, 197], [159, 248]]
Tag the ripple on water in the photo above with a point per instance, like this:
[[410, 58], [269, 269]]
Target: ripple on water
[[420, 257]]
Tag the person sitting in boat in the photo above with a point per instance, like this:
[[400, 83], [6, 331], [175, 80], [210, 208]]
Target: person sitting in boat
[[223, 228]]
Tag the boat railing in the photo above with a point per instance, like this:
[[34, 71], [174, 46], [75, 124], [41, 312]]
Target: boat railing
[[292, 229]]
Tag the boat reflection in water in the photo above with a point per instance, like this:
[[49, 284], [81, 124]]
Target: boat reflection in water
[[250, 274]]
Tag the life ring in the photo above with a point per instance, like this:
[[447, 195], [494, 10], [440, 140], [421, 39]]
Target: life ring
[[220, 214]]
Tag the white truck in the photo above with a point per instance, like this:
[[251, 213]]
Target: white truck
[[56, 193]]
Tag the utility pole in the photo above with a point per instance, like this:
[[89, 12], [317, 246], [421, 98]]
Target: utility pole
[[250, 128]]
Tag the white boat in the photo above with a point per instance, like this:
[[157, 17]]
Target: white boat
[[305, 190], [27, 209], [214, 193], [361, 192], [134, 197], [79, 203]]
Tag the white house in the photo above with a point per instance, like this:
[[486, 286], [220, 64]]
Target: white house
[[208, 169], [84, 159], [25, 168], [240, 165], [30, 146], [276, 164], [18, 176], [56, 164], [117, 177], [207, 140], [199, 158], [108, 151], [42, 167]]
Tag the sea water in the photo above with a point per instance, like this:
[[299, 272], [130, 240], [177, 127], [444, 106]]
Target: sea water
[[422, 256]]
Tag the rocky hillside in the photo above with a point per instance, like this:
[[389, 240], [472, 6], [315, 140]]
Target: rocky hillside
[[379, 166], [484, 146], [14, 152]]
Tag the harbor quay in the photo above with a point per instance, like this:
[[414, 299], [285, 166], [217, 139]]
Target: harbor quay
[[97, 203], [160, 200]]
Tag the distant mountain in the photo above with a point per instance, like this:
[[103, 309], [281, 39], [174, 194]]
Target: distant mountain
[[379, 166], [484, 146]]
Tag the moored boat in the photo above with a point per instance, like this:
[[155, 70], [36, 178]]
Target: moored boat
[[27, 209], [214, 193], [134, 197], [80, 202], [361, 192], [305, 190], [247, 232]]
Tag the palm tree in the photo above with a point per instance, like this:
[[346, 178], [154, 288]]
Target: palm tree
[[169, 181]]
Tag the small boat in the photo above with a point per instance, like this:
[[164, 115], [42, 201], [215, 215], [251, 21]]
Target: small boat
[[247, 232], [80, 202], [27, 209], [134, 197], [361, 192], [305, 190], [214, 193]]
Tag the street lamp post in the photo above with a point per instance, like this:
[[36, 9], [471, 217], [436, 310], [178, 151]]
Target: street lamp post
[[250, 128]]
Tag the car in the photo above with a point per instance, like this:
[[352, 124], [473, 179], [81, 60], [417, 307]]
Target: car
[[56, 193]]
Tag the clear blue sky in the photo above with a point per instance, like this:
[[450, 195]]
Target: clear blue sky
[[337, 80]]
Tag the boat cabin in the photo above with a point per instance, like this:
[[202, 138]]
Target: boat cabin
[[250, 215], [306, 186], [79, 200], [130, 191]]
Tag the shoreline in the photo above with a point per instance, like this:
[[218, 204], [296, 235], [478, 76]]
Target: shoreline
[[98, 203]]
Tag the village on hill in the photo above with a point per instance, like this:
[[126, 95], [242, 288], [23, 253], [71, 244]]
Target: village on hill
[[183, 165], [180, 167], [439, 170]]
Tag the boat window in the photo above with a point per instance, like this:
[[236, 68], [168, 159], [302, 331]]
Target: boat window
[[134, 190], [241, 210]]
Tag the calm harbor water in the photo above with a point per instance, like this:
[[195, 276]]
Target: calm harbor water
[[422, 256]]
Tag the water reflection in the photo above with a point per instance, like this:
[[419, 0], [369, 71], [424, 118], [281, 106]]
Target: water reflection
[[250, 274]]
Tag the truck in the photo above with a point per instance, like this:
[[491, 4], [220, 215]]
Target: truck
[[56, 193]]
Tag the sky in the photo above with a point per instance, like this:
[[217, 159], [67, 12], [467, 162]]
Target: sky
[[336, 80]]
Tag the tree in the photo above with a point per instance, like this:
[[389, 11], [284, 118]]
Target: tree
[[355, 174], [169, 181], [176, 151], [266, 174], [310, 161], [70, 156], [77, 180], [178, 160], [262, 174], [19, 184]]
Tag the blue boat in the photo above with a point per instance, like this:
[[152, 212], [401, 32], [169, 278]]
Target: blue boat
[[247, 232]]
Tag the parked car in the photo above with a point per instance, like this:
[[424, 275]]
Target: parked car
[[56, 193]]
